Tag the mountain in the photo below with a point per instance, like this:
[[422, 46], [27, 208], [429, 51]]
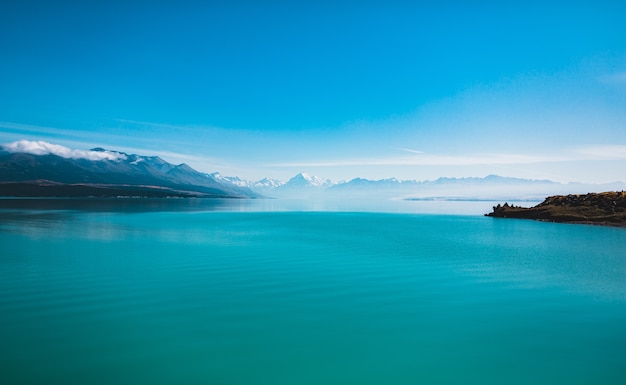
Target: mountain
[[491, 179], [301, 186], [30, 168], [490, 187], [106, 173], [266, 183], [265, 186], [229, 179], [304, 180]]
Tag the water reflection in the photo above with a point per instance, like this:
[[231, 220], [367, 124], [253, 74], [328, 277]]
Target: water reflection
[[122, 205], [142, 205]]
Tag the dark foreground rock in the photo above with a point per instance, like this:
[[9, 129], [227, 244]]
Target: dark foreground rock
[[608, 208]]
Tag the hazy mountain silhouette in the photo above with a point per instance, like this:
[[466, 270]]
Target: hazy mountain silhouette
[[43, 169]]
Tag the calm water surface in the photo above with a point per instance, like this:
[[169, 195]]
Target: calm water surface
[[232, 292]]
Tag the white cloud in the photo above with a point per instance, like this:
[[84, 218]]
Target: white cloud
[[39, 147], [608, 152], [411, 151], [589, 153]]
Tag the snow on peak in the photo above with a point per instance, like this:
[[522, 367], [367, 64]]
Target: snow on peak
[[267, 183], [40, 147], [229, 179], [304, 179]]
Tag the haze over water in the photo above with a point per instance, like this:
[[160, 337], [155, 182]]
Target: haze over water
[[240, 292]]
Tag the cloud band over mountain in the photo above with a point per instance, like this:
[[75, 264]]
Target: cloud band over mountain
[[40, 147]]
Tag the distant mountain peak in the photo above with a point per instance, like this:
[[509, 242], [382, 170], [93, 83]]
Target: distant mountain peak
[[267, 183], [235, 180], [305, 180]]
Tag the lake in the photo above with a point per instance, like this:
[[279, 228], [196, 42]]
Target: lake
[[165, 291]]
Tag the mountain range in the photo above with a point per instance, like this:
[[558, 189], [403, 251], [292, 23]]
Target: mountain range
[[491, 187], [117, 174], [105, 173]]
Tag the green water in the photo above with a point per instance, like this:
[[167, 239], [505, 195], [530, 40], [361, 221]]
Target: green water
[[170, 293]]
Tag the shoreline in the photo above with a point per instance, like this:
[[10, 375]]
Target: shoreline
[[603, 209]]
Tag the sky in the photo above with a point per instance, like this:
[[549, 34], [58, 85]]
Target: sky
[[372, 89]]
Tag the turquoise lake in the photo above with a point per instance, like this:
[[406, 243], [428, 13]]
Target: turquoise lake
[[269, 292]]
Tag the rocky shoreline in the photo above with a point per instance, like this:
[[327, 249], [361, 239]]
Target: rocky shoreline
[[607, 208]]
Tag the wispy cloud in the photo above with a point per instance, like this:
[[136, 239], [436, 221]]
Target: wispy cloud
[[146, 134], [411, 150], [39, 147], [151, 145], [605, 152], [44, 148], [76, 138], [600, 152], [33, 129]]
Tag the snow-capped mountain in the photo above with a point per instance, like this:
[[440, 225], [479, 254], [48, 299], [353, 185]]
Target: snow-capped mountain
[[305, 186], [301, 185], [489, 187], [307, 181], [267, 183], [38, 168], [264, 184], [44, 169], [229, 179]]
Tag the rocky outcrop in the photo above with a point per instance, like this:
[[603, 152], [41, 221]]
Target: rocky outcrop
[[608, 208]]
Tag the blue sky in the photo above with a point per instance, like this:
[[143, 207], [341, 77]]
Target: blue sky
[[361, 89]]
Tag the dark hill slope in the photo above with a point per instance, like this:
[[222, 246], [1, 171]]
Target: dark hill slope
[[23, 174]]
